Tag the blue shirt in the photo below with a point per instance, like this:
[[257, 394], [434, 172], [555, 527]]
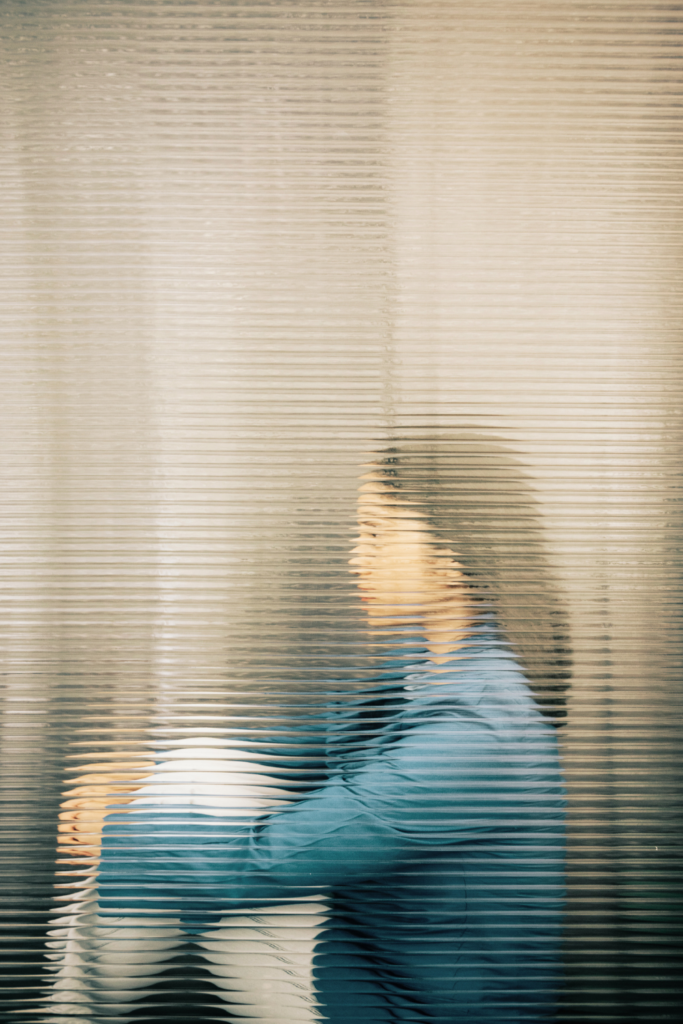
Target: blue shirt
[[438, 838]]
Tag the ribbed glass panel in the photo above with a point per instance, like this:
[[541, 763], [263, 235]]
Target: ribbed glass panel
[[341, 518]]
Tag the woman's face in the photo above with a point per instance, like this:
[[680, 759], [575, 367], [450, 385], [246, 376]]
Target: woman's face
[[402, 573]]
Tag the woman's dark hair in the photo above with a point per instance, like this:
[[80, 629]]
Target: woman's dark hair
[[477, 500]]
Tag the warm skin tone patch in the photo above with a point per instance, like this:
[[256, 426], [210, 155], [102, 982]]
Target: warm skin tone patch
[[405, 576]]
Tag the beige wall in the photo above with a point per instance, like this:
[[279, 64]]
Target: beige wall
[[242, 247]]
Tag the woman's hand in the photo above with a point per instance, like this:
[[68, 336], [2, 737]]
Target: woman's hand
[[83, 812]]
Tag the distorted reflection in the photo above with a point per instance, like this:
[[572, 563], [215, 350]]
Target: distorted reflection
[[400, 858]]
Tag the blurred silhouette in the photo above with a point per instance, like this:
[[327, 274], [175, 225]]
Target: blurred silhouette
[[422, 877]]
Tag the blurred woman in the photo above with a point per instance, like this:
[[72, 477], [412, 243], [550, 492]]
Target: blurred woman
[[436, 837]]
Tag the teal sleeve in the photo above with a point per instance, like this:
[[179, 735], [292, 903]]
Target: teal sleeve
[[444, 782]]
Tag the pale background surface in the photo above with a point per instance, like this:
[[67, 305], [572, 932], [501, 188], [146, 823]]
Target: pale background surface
[[241, 242]]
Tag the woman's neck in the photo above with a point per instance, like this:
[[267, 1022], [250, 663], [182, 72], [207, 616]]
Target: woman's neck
[[444, 625]]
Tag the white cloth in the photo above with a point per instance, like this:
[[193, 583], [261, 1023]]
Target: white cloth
[[261, 962]]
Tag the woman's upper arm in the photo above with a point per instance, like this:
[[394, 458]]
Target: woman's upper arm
[[422, 789]]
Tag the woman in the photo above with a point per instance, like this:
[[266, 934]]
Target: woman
[[437, 835]]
